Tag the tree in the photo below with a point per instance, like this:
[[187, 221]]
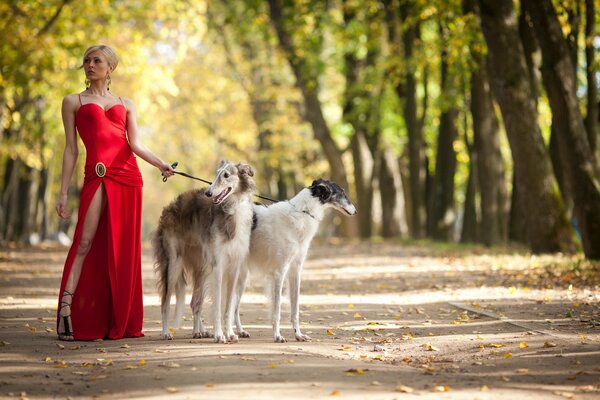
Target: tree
[[486, 137], [307, 82], [548, 228], [558, 73]]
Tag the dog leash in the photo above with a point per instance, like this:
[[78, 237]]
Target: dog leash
[[174, 165]]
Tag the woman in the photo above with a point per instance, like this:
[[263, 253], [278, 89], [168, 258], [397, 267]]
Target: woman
[[101, 289]]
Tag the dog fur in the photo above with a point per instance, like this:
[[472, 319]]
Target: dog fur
[[202, 232], [279, 244]]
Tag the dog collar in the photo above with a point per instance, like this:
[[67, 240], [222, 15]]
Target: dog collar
[[303, 211]]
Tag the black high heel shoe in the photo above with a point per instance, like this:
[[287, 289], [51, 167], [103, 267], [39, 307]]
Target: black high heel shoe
[[67, 335]]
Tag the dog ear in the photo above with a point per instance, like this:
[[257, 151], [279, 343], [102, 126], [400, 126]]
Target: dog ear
[[245, 169], [222, 164], [321, 190]]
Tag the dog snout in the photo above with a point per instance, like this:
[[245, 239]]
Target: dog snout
[[208, 193]]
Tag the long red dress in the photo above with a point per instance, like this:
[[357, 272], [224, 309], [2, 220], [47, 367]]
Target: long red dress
[[107, 302]]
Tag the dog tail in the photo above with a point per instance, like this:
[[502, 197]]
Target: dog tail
[[161, 263]]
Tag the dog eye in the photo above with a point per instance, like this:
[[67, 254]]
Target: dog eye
[[226, 175]]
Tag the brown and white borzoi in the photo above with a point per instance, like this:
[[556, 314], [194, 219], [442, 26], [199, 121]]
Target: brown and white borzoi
[[202, 232]]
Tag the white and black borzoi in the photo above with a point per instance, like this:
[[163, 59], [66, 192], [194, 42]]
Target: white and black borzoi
[[280, 239], [205, 231]]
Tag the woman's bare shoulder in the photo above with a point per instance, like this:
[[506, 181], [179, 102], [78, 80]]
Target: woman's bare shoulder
[[128, 102], [71, 99]]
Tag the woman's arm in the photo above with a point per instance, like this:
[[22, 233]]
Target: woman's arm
[[138, 147], [68, 110]]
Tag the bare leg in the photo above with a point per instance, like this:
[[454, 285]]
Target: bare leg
[[90, 225]]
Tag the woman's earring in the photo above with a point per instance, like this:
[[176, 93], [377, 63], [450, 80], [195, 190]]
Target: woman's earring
[[108, 82], [87, 83]]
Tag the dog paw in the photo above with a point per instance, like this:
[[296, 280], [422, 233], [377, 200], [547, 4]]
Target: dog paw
[[220, 338], [202, 335], [233, 338], [280, 339], [167, 336], [303, 338], [243, 334]]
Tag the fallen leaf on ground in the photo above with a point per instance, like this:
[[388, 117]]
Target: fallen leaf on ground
[[549, 344], [60, 364], [522, 371], [440, 388], [404, 389], [429, 347], [335, 393], [523, 345], [171, 389], [356, 370]]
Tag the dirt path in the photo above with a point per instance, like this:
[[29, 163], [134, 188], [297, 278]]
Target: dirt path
[[387, 321]]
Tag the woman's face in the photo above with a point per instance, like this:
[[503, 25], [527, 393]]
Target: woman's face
[[96, 66]]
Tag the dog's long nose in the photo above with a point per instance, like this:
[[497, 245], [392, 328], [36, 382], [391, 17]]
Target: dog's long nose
[[208, 193]]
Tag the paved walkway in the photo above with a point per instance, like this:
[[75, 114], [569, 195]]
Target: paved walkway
[[387, 321]]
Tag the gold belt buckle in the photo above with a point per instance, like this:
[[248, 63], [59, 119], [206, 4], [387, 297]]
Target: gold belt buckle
[[100, 169]]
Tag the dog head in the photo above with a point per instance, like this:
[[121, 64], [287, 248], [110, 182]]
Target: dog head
[[331, 195], [230, 179]]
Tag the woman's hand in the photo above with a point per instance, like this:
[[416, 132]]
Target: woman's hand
[[61, 207], [166, 170]]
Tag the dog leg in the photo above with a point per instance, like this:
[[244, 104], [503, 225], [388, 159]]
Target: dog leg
[[241, 286], [164, 308], [218, 272], [198, 296], [276, 308], [179, 303], [230, 302], [294, 278]]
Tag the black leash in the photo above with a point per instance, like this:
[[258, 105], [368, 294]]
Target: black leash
[[174, 165]]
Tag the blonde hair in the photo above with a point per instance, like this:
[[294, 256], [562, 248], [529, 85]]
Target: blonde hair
[[109, 53]]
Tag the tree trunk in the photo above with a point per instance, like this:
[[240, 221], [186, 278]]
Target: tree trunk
[[548, 228], [558, 73], [393, 217], [591, 119], [355, 113], [517, 222], [469, 232], [363, 176], [442, 216], [407, 90], [490, 164]]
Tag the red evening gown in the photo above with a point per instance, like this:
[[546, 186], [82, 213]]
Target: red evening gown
[[107, 302]]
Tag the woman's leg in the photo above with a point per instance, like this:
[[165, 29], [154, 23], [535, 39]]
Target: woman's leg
[[90, 224]]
